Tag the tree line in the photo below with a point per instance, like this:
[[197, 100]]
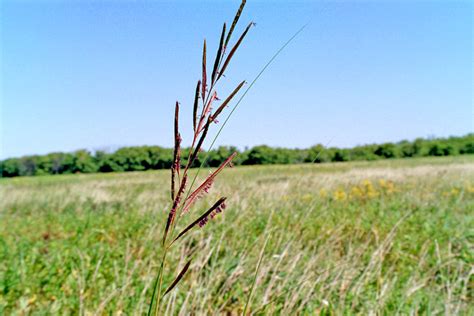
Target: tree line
[[154, 157]]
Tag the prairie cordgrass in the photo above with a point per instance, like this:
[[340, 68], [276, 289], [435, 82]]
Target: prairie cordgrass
[[399, 242]]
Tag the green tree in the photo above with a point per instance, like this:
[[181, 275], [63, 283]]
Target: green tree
[[340, 155], [260, 155], [160, 158], [219, 155], [387, 150], [10, 167], [84, 162], [27, 166]]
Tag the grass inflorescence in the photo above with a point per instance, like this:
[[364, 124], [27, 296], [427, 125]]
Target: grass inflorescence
[[183, 195]]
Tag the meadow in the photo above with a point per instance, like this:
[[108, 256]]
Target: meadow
[[382, 237]]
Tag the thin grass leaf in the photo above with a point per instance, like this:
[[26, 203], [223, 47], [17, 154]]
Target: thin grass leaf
[[234, 23], [196, 103], [178, 278], [204, 72], [257, 269], [155, 287], [234, 49], [226, 101], [200, 218], [218, 56]]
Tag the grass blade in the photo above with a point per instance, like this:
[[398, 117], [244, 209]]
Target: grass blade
[[257, 269], [178, 278]]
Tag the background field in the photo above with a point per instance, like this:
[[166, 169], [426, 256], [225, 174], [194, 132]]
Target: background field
[[385, 236]]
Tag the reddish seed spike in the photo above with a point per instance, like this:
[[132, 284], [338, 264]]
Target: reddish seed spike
[[201, 218], [233, 50], [176, 202], [193, 197], [234, 23], [204, 73], [196, 103], [173, 185], [177, 139], [218, 56], [176, 153]]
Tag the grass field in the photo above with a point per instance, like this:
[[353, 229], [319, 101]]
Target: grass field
[[385, 237]]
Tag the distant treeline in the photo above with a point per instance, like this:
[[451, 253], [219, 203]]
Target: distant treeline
[[154, 157]]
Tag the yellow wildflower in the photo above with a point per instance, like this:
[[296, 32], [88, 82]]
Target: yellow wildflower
[[32, 300], [454, 191], [356, 192], [339, 195], [372, 193], [390, 187], [323, 193], [367, 183]]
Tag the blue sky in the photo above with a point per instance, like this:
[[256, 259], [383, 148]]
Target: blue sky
[[105, 74]]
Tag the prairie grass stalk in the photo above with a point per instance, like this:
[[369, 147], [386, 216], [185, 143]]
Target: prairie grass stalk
[[257, 270], [204, 98]]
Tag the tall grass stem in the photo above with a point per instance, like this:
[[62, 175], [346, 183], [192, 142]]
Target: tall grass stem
[[257, 269]]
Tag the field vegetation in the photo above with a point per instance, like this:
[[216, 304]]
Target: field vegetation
[[387, 236]]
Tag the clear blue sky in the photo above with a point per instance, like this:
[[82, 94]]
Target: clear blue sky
[[104, 74]]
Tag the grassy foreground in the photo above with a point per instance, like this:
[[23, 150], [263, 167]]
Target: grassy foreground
[[387, 237]]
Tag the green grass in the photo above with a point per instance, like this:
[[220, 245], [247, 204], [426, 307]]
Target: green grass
[[392, 236]]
